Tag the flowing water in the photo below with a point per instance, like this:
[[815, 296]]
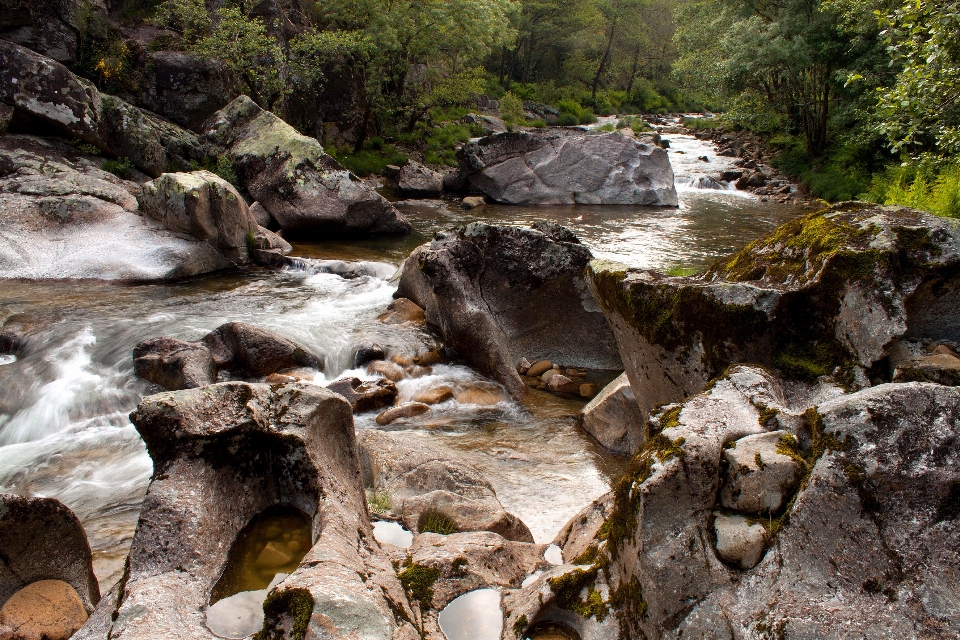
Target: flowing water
[[64, 430]]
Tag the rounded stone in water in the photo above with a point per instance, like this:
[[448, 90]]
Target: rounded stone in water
[[7, 359], [473, 616], [392, 533]]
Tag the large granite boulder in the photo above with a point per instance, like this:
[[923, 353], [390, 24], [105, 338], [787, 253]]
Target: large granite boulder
[[235, 346], [45, 90], [50, 27], [41, 539], [414, 179], [569, 167], [865, 545], [499, 294], [423, 479], [832, 293], [613, 418], [306, 191], [187, 89], [64, 217], [223, 456], [203, 205]]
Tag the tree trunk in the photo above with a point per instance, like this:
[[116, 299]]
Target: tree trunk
[[603, 60]]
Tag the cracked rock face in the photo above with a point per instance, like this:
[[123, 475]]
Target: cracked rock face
[[305, 190], [827, 294], [223, 455], [567, 167], [499, 294]]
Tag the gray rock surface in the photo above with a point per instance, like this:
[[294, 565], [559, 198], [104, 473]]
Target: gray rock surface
[[224, 454], [50, 27], [187, 89], [44, 89], [235, 346], [306, 191], [613, 418], [738, 541], [759, 477], [560, 167], [420, 478], [498, 294], [64, 217], [416, 180], [827, 294], [41, 539], [203, 205], [489, 124]]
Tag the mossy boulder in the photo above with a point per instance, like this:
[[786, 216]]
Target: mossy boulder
[[306, 191], [46, 91], [826, 294]]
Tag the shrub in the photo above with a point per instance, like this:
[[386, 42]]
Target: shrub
[[379, 501], [220, 165], [539, 124], [121, 167], [436, 522], [588, 117], [568, 120], [368, 161], [608, 127], [86, 148], [511, 109]]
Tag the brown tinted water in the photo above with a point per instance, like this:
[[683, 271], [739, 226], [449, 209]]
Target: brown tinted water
[[64, 430]]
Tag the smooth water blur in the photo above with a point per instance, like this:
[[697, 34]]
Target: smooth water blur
[[64, 402]]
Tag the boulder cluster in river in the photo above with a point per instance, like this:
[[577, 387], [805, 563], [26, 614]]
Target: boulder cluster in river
[[791, 416]]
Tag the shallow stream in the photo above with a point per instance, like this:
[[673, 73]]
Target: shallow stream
[[64, 430]]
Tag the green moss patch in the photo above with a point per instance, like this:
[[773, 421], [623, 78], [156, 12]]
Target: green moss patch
[[289, 603], [418, 580], [568, 587]]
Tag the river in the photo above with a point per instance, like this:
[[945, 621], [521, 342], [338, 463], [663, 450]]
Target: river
[[64, 430]]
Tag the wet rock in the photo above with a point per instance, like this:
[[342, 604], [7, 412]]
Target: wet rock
[[224, 455], [416, 180], [497, 294], [827, 294], [559, 167], [760, 478], [613, 418], [941, 368], [422, 478], [588, 390], [368, 354], [562, 384], [435, 395], [387, 369], [405, 410], [401, 311], [365, 396], [582, 532], [174, 364], [537, 369], [429, 358], [547, 375], [480, 396], [268, 248], [64, 217], [42, 540], [306, 191], [203, 205], [472, 202], [473, 560], [43, 610], [255, 351], [738, 542], [44, 89]]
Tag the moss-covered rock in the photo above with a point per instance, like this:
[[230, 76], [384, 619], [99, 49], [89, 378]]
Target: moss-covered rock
[[305, 190], [826, 294]]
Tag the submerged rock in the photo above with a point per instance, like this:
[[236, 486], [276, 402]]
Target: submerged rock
[[43, 610], [365, 396], [613, 418], [424, 479], [827, 294], [41, 540], [567, 167], [305, 190], [223, 456], [498, 294], [46, 90], [237, 346]]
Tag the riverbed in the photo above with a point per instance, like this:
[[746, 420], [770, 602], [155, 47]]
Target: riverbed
[[64, 430]]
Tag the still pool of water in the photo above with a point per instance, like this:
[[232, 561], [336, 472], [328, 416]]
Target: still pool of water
[[64, 402], [392, 533], [473, 616]]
